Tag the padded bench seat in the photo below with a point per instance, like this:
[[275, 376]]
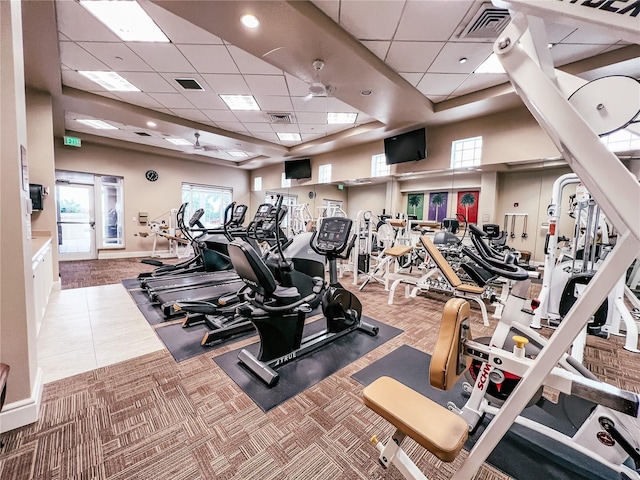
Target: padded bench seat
[[398, 250], [437, 429]]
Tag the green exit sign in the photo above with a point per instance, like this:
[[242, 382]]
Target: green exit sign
[[72, 141]]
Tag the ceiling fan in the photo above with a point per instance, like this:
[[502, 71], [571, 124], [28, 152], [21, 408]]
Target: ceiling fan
[[317, 88], [205, 148]]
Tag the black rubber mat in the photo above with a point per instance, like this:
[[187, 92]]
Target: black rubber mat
[[184, 343], [522, 453], [131, 283], [300, 374]]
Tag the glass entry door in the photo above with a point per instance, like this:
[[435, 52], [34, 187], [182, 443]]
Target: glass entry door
[[76, 221]]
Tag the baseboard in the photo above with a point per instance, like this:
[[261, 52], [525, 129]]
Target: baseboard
[[23, 412]]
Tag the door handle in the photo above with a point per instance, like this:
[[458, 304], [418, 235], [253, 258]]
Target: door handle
[[92, 224]]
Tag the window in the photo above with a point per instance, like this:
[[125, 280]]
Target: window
[[285, 182], [621, 141], [379, 167], [324, 173], [213, 200], [257, 184], [112, 197], [466, 152]]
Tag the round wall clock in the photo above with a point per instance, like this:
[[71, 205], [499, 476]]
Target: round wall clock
[[151, 175]]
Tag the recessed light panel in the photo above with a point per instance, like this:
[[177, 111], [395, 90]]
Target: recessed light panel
[[178, 141], [110, 81], [238, 153], [289, 137], [126, 19], [337, 117], [240, 102], [98, 124], [250, 21]]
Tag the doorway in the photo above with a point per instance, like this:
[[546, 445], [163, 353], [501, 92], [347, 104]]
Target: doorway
[[76, 221]]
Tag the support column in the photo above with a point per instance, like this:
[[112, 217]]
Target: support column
[[488, 198]]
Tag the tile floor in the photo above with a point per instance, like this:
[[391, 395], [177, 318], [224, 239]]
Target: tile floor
[[87, 328]]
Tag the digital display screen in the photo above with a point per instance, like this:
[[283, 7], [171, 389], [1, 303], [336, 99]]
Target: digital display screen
[[264, 208], [335, 231]]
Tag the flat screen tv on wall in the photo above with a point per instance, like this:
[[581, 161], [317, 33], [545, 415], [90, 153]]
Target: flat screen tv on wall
[[297, 169], [406, 147]]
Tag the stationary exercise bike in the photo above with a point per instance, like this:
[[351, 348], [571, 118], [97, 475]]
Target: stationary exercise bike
[[279, 313]]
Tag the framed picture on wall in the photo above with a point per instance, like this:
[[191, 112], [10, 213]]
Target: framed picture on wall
[[438, 202], [415, 205], [468, 205]]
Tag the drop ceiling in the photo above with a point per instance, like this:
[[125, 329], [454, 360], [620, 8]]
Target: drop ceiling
[[406, 53]]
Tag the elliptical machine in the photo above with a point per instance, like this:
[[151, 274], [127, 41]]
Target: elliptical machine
[[278, 313]]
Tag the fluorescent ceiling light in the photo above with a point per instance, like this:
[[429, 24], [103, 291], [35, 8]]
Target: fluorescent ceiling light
[[333, 117], [240, 102], [289, 137], [490, 65], [111, 81], [178, 141], [99, 124], [238, 154], [151, 124], [126, 19]]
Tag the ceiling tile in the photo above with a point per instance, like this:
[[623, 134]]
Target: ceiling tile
[[448, 60], [76, 23], [205, 100], [307, 137], [335, 128], [285, 128], [248, 64], [314, 129], [232, 126], [297, 88], [209, 58], [149, 82], [162, 57], [178, 29], [437, 98], [335, 105], [106, 93], [172, 100], [590, 36], [311, 117], [227, 83], [378, 47], [269, 137], [259, 127], [440, 83], [556, 32], [274, 103], [313, 104], [190, 114], [73, 79], [568, 53], [412, 78], [77, 58], [245, 117], [267, 84], [371, 20], [480, 81], [139, 98], [432, 20], [220, 115], [117, 56], [412, 56]]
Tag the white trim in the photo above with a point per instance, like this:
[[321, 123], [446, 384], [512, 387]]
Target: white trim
[[23, 412]]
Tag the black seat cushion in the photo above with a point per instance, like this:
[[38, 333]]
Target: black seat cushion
[[251, 269]]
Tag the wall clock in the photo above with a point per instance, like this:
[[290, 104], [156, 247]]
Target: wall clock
[[151, 175]]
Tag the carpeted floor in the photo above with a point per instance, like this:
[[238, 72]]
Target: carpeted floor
[[153, 418]]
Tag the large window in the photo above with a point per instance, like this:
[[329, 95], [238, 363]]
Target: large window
[[324, 173], [466, 152], [213, 200], [284, 181], [379, 167], [257, 184]]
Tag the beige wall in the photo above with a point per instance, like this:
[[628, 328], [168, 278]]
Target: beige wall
[[17, 315], [367, 197], [141, 195], [41, 165]]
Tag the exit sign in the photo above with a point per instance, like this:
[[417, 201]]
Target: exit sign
[[72, 141]]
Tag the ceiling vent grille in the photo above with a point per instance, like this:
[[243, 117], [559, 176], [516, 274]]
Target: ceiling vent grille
[[487, 23], [189, 83], [143, 134], [280, 117]]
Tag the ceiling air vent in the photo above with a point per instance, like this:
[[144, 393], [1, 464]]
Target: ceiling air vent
[[142, 134], [280, 117], [189, 83], [487, 23]]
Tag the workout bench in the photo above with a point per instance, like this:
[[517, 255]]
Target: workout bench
[[459, 289], [439, 430]]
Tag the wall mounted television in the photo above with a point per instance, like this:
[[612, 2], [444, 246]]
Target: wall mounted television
[[297, 169], [406, 147], [36, 193]]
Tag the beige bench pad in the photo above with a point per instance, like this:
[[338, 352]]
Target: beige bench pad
[[398, 250], [437, 429]]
